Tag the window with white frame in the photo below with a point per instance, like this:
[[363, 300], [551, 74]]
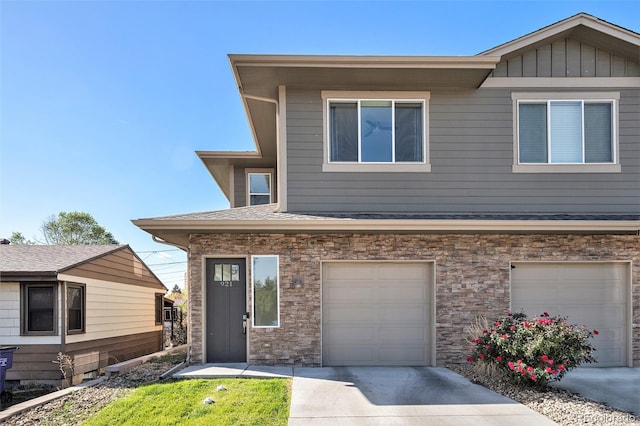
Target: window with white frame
[[259, 187], [376, 127], [566, 130], [266, 292]]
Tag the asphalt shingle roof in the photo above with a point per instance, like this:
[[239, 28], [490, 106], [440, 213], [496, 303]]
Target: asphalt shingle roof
[[48, 258], [268, 212]]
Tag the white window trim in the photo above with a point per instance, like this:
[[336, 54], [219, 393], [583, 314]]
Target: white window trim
[[419, 167], [253, 299], [249, 172], [613, 97]]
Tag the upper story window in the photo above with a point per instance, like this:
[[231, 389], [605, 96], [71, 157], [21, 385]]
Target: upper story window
[[566, 132], [375, 131], [259, 187]]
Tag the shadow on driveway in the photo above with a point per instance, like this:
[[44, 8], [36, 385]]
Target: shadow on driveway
[[400, 395]]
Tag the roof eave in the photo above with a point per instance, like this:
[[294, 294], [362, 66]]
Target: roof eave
[[387, 225]]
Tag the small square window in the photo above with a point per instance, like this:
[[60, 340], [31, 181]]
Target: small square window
[[259, 188]]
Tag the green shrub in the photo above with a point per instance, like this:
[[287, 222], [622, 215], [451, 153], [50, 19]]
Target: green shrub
[[532, 352]]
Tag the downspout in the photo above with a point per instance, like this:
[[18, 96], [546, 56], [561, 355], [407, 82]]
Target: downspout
[[186, 249], [278, 159]]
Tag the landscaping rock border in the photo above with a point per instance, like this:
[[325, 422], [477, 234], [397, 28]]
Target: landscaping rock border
[[564, 408]]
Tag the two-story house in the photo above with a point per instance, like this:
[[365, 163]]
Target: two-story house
[[391, 200]]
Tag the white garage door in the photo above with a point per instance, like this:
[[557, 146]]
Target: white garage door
[[376, 313], [594, 294]]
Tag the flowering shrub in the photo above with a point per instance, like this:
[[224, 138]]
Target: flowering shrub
[[533, 352]]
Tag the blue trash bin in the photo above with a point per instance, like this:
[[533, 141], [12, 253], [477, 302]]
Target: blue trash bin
[[6, 362]]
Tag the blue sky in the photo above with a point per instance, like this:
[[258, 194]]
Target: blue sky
[[103, 103]]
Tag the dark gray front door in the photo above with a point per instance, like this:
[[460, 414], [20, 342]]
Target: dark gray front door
[[226, 305]]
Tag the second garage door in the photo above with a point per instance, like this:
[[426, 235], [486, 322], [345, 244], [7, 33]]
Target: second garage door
[[594, 294], [376, 313]]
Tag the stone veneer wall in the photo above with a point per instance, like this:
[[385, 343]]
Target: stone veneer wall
[[472, 278]]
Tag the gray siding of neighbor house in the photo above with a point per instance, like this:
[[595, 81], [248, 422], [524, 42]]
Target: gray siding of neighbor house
[[239, 187], [471, 156], [567, 58]]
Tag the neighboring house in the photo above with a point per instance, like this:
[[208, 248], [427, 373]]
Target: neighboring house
[[98, 304], [393, 199]]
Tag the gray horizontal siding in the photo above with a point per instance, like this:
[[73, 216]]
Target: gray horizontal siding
[[567, 58], [471, 150], [239, 187]]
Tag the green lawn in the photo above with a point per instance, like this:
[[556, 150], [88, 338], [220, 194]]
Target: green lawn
[[244, 402]]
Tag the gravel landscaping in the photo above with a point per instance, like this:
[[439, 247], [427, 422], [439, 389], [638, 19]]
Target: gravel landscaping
[[558, 405], [562, 407], [74, 408]]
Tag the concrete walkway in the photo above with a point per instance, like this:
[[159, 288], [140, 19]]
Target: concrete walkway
[[618, 387], [383, 396]]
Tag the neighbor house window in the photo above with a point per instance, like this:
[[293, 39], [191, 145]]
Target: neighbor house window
[[159, 308], [566, 131], [75, 308], [375, 129], [259, 188], [265, 287], [39, 311]]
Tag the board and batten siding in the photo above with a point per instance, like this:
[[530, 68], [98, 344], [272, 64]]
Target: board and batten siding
[[471, 156], [567, 58], [114, 309]]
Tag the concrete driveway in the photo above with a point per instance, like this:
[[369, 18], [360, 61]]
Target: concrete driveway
[[399, 396], [618, 387]]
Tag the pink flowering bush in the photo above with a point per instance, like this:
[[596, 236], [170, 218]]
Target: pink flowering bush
[[533, 351]]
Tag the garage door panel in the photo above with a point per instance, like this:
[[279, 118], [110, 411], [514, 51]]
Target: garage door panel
[[349, 271], [382, 319], [396, 293], [403, 356], [391, 313], [402, 335], [351, 293], [402, 272], [355, 335], [592, 294], [352, 313], [580, 293], [349, 355]]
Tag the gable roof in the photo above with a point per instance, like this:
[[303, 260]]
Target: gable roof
[[582, 26], [49, 258]]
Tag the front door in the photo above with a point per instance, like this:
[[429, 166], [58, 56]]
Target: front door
[[226, 305]]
